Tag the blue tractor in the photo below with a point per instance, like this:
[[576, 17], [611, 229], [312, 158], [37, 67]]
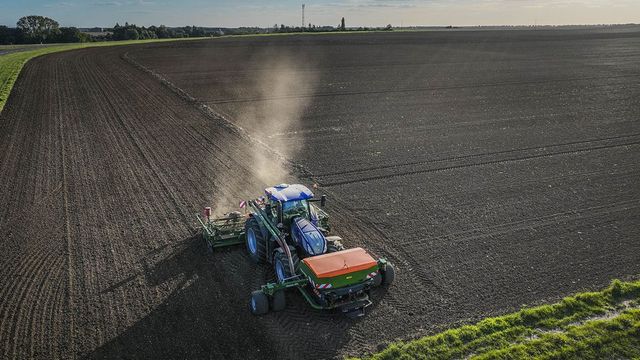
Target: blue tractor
[[285, 228], [292, 210]]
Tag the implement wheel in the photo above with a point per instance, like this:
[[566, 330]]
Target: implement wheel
[[259, 303], [388, 275], [377, 280], [256, 243], [278, 301], [281, 264]]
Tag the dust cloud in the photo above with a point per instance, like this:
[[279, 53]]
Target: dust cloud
[[282, 91], [273, 98]]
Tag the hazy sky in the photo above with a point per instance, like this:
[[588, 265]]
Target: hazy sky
[[229, 13]]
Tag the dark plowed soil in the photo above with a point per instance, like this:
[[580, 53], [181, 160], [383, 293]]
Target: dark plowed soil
[[494, 169]]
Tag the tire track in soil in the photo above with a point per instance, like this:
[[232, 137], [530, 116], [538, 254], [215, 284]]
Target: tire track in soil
[[523, 157], [453, 158], [421, 89], [69, 243]]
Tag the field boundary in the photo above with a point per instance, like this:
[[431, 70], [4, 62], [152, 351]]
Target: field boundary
[[587, 325], [11, 65]]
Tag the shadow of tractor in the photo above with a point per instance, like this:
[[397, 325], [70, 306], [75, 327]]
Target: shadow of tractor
[[207, 316]]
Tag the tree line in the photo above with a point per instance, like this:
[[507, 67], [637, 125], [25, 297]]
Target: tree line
[[40, 29], [36, 29], [133, 32]]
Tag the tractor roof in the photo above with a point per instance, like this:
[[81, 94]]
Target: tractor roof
[[286, 192]]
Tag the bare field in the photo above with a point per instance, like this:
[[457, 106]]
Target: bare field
[[494, 168]]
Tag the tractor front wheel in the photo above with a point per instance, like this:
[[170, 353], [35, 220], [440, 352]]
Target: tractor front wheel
[[259, 303], [256, 243]]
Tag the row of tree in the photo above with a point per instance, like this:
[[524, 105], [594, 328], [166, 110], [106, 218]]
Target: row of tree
[[39, 29], [133, 32], [43, 30]]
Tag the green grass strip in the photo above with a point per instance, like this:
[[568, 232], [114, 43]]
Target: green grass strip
[[12, 63], [615, 338], [560, 330]]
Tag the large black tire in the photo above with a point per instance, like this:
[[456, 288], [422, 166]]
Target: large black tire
[[209, 247], [255, 242], [281, 264], [278, 301], [377, 280], [334, 244], [388, 275], [259, 303]]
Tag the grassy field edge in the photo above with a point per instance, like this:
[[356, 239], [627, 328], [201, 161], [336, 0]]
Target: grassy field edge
[[587, 325]]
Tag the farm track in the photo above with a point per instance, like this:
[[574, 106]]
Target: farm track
[[484, 206]]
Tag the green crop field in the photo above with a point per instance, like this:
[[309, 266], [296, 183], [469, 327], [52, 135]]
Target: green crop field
[[590, 325], [11, 64]]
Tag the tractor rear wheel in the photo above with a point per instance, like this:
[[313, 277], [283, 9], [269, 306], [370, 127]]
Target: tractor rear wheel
[[388, 275], [259, 303], [281, 264], [278, 301], [256, 243]]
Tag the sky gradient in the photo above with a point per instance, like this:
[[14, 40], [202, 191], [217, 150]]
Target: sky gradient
[[229, 13]]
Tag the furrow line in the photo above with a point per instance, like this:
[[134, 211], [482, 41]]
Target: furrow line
[[454, 167]]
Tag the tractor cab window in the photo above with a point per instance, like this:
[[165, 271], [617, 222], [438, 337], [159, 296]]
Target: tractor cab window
[[295, 208]]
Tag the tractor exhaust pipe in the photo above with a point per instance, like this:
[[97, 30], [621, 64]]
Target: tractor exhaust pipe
[[207, 213]]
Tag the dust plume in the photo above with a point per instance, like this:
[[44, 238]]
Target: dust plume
[[282, 91], [269, 107]]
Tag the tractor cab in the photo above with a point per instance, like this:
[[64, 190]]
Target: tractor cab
[[285, 202], [289, 208]]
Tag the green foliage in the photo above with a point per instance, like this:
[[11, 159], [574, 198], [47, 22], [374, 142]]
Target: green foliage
[[71, 35], [560, 330], [8, 35], [40, 30], [133, 32], [37, 29]]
